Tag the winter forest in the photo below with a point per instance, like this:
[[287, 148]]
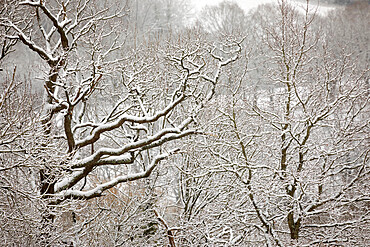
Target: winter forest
[[142, 123]]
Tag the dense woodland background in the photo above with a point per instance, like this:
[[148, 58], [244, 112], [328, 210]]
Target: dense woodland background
[[139, 123]]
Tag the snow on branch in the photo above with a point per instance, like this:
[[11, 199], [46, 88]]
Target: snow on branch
[[98, 190], [126, 118], [90, 160]]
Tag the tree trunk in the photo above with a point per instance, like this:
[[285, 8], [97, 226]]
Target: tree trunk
[[294, 227]]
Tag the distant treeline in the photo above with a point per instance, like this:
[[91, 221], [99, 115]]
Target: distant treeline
[[343, 2]]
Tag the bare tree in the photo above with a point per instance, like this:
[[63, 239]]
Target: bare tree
[[226, 18], [290, 161], [107, 106]]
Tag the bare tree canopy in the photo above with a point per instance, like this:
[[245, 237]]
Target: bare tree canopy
[[120, 125]]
